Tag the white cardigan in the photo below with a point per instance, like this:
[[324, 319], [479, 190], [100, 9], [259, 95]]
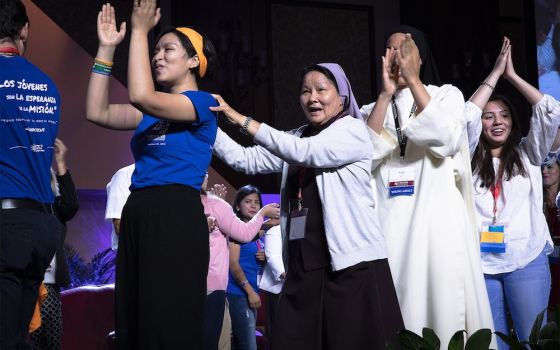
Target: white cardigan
[[342, 157]]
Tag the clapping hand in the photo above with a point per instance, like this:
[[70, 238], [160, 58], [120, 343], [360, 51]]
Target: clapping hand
[[145, 15], [408, 60], [107, 27], [219, 190]]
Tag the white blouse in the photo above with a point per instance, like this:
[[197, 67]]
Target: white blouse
[[520, 203]]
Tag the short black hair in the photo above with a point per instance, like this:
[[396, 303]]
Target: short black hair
[[12, 18], [207, 49]]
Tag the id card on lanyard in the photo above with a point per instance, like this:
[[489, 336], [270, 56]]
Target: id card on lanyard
[[401, 181], [298, 216], [493, 235]]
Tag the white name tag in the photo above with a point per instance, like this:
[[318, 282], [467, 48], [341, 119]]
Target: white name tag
[[401, 181], [297, 224]]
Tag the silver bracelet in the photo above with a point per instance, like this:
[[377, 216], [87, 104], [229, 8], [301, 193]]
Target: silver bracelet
[[245, 127], [490, 86]]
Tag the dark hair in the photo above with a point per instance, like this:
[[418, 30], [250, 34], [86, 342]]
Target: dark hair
[[510, 158], [241, 194], [207, 49], [12, 18], [320, 69]]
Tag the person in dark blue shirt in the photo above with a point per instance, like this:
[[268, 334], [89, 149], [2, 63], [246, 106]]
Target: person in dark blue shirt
[[163, 237], [29, 115]]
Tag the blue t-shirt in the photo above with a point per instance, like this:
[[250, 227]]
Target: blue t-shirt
[[249, 264], [172, 152], [29, 115]]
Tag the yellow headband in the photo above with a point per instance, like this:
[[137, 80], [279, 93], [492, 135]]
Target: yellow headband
[[196, 41]]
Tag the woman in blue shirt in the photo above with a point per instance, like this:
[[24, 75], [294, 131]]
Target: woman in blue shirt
[[162, 259]]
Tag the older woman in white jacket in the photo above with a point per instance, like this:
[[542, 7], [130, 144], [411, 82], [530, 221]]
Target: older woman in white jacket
[[339, 291]]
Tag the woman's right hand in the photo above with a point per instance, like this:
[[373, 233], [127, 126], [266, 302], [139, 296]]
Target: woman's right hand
[[389, 72], [231, 114], [501, 60], [145, 15], [107, 27], [271, 210]]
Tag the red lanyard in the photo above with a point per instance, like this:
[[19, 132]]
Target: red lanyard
[[301, 177], [496, 189]]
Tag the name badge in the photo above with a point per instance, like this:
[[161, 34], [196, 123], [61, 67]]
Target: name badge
[[401, 181], [297, 224], [493, 238]]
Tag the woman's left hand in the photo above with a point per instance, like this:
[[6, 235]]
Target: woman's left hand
[[408, 60], [145, 15], [509, 72], [231, 114]]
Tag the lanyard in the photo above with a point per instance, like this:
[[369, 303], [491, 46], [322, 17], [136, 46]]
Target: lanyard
[[496, 189], [402, 139], [301, 177]]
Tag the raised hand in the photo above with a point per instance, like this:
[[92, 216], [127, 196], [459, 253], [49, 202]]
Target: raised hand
[[219, 190], [509, 71], [408, 60], [107, 27], [389, 71], [145, 15], [501, 60]]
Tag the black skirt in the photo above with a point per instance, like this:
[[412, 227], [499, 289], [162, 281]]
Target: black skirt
[[354, 308], [162, 264]]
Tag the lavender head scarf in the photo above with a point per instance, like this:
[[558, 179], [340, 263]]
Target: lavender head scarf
[[344, 89]]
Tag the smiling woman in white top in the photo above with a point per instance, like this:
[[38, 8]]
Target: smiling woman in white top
[[508, 196]]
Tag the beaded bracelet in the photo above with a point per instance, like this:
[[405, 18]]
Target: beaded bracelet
[[101, 68]]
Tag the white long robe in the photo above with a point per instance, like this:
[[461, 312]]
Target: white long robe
[[431, 237]]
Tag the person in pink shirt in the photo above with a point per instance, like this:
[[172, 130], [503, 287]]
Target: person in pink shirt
[[227, 224]]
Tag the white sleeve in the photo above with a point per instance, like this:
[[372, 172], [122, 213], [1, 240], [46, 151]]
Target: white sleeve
[[441, 125], [543, 127], [344, 142], [118, 191], [273, 252], [250, 160], [474, 125]]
